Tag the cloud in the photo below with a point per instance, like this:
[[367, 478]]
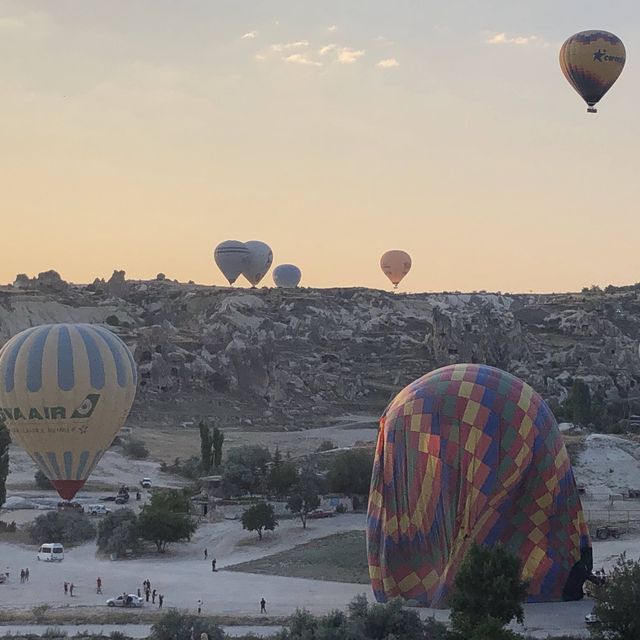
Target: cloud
[[260, 56], [333, 28], [347, 55], [388, 63], [30, 24], [301, 58], [326, 49], [503, 38], [287, 46], [250, 35]]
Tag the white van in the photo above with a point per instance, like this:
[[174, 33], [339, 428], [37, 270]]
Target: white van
[[51, 551], [97, 510]]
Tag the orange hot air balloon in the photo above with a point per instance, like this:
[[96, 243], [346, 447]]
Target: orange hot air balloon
[[592, 61], [395, 264]]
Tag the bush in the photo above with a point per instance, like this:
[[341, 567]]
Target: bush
[[40, 611], [68, 527], [190, 468], [118, 533], [350, 472], [326, 445], [134, 448], [175, 624], [8, 527], [42, 482]]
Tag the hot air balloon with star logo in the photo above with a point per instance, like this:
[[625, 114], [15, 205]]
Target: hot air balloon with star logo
[[592, 61], [395, 264], [65, 391]]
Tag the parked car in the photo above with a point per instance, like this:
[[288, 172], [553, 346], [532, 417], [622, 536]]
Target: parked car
[[97, 510], [592, 618], [63, 505], [321, 513], [51, 552], [122, 498], [146, 483], [130, 600]]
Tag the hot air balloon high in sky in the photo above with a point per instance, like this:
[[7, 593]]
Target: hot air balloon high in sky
[[65, 391], [231, 257], [287, 276], [258, 262], [395, 264], [471, 454], [592, 61]]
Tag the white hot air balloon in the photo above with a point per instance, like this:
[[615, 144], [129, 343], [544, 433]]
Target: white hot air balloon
[[258, 262], [231, 257], [287, 276]]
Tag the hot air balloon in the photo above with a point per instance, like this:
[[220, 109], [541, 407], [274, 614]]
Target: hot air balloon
[[395, 264], [592, 61], [231, 256], [287, 276], [258, 262], [65, 391], [470, 454]]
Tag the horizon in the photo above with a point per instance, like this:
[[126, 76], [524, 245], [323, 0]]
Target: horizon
[[450, 133]]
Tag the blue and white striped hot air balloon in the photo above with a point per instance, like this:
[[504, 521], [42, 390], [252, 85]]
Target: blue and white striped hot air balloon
[[65, 391]]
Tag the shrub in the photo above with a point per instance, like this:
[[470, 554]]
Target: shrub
[[8, 527], [350, 472], [68, 527], [134, 448], [326, 445], [42, 482], [118, 532], [177, 624], [190, 468], [40, 611]]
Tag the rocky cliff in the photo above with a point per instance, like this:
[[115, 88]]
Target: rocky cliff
[[273, 358]]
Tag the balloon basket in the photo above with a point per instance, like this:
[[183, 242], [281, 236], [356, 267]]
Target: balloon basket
[[592, 110]]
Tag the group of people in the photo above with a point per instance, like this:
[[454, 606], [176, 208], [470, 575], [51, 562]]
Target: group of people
[[213, 560], [68, 588], [24, 575], [149, 593]]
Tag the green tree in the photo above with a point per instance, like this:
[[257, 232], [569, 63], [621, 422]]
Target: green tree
[[118, 532], [260, 517], [176, 624], [304, 498], [5, 441], [282, 477], [217, 442], [618, 602], [42, 482], [246, 468], [68, 527], [580, 402], [350, 472], [206, 455], [488, 591], [166, 519]]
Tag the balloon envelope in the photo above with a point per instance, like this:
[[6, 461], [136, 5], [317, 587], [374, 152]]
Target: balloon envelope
[[258, 262], [470, 454], [287, 276], [592, 61], [395, 264], [231, 257], [65, 391]]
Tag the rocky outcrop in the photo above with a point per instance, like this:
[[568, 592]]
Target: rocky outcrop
[[290, 358]]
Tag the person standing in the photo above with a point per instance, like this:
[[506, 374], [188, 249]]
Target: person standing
[[147, 593], [99, 585], [26, 574], [71, 589], [206, 553], [160, 600], [263, 606], [213, 565], [21, 576], [139, 592], [66, 588], [199, 607], [153, 597]]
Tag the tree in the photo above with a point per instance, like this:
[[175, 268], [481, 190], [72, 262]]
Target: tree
[[68, 527], [177, 624], [42, 482], [259, 517], [488, 591], [350, 472], [217, 442], [246, 467], [580, 402], [304, 498], [5, 441], [282, 477], [166, 519], [118, 532], [205, 447], [618, 602]]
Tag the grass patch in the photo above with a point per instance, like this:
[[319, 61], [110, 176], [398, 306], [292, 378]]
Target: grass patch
[[338, 558]]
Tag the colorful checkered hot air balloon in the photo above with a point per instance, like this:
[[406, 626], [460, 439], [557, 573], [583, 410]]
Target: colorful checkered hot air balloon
[[591, 62], [469, 453], [65, 391]]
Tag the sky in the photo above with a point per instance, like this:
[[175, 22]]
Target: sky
[[139, 135]]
